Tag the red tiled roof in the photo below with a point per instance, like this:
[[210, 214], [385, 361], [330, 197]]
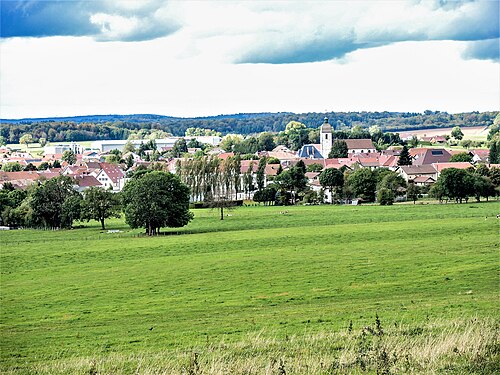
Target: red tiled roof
[[86, 181], [459, 165]]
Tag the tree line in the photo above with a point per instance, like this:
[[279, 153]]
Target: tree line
[[120, 127], [149, 200]]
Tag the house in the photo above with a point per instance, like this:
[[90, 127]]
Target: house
[[410, 172], [357, 146], [425, 156], [423, 181], [480, 155], [110, 175]]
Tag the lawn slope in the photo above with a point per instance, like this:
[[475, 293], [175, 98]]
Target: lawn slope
[[81, 298]]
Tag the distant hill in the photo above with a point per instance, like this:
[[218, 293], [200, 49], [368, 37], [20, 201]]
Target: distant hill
[[80, 128]]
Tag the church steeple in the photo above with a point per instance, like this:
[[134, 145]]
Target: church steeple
[[325, 134]]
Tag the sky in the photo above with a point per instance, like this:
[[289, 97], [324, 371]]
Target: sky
[[183, 58]]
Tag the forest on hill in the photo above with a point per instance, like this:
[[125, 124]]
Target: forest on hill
[[100, 127]]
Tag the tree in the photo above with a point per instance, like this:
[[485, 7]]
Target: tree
[[385, 197], [292, 180], [466, 143], [412, 192], [363, 184], [69, 157], [332, 179], [12, 167], [404, 157], [339, 149], [180, 148], [457, 133], [155, 200], [461, 157], [297, 134], [129, 147], [495, 128], [2, 140], [456, 184], [26, 139], [229, 141], [100, 204], [48, 203], [483, 187], [261, 174], [42, 142], [494, 157], [315, 167], [394, 182]]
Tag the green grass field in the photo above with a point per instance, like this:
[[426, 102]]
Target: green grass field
[[260, 292]]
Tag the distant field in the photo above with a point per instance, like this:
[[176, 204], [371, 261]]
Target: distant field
[[260, 292], [475, 133]]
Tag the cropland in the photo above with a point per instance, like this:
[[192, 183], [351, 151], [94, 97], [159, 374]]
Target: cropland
[[268, 290]]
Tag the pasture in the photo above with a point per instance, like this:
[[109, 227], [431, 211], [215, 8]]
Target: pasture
[[259, 292]]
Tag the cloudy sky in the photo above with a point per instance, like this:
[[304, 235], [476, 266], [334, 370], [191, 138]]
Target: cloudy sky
[[180, 58]]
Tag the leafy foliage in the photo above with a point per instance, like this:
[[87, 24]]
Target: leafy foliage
[[155, 200], [339, 149], [100, 204]]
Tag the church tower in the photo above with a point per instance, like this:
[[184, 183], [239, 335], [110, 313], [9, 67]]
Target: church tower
[[325, 134]]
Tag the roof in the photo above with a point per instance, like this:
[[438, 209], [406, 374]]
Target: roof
[[86, 181], [459, 165], [309, 151], [418, 169], [430, 155], [113, 171], [423, 179], [272, 169], [356, 144], [312, 175], [245, 165], [21, 175], [326, 127]]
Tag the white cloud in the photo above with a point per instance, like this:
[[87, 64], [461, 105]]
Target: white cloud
[[76, 76]]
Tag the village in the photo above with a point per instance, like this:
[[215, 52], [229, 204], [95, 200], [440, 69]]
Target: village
[[110, 163]]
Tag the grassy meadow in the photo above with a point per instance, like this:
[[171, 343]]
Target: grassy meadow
[[261, 292]]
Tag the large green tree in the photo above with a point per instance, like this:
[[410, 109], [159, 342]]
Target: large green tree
[[51, 204], [180, 147], [100, 204], [156, 200], [363, 183], [333, 179], [339, 149], [457, 184]]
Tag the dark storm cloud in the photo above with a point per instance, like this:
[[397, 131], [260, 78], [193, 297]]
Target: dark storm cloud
[[27, 18], [484, 50]]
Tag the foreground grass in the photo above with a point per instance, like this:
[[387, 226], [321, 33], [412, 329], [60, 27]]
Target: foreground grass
[[236, 291]]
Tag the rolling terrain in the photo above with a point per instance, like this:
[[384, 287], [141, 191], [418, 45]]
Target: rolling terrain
[[314, 289]]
